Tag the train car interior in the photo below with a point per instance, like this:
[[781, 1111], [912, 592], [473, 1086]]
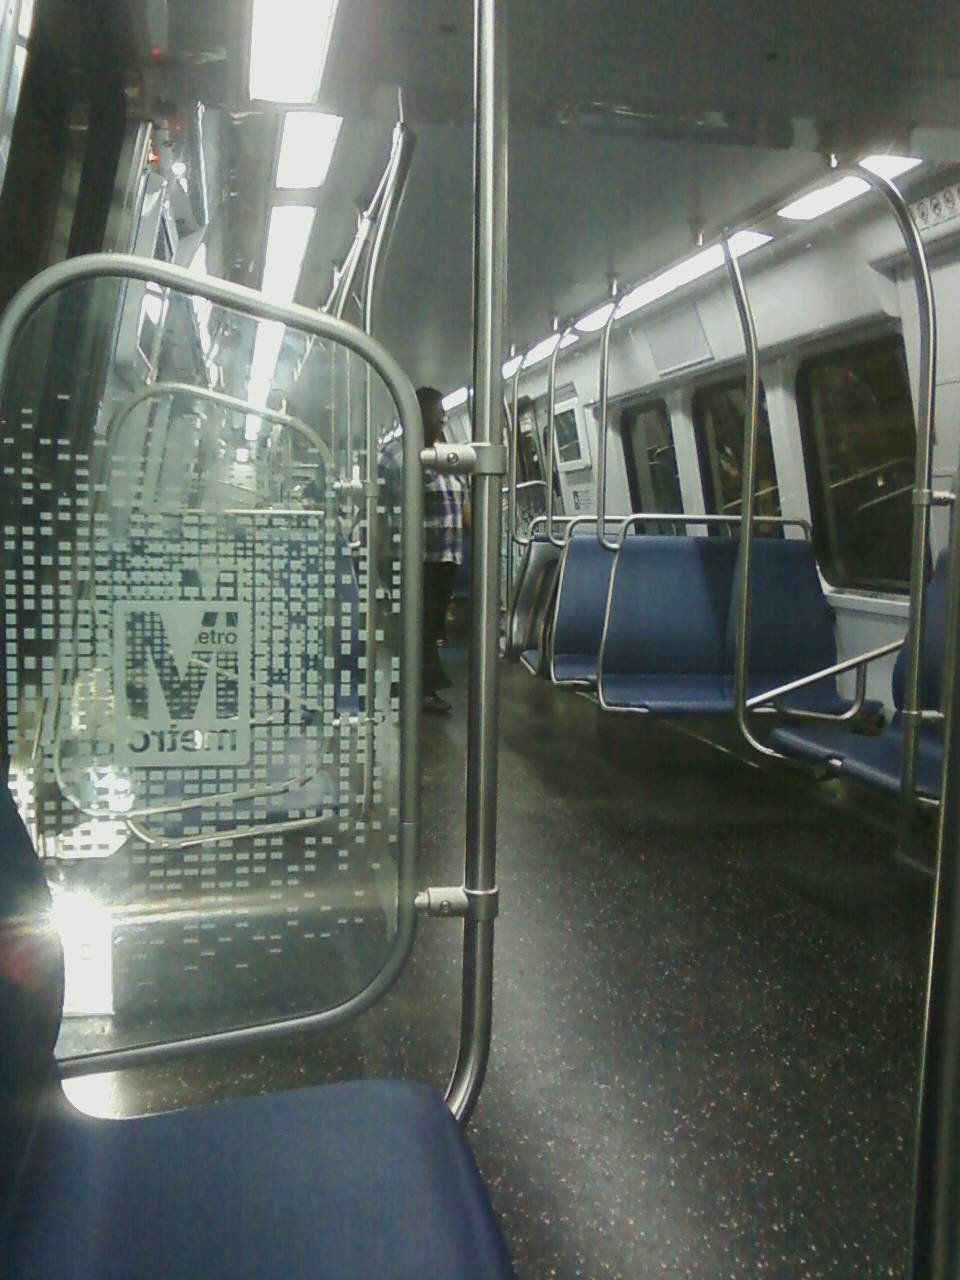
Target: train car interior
[[636, 950]]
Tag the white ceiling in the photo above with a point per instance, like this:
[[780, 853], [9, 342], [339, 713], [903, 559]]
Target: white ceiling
[[727, 107]]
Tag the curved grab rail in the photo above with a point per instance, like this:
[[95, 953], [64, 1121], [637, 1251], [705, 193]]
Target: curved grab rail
[[751, 429], [688, 517], [514, 458], [318, 325], [603, 392], [551, 432]]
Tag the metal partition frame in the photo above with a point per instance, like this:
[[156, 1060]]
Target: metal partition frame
[[551, 437], [922, 502], [251, 303]]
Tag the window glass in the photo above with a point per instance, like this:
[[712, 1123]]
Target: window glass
[[719, 419], [650, 458], [568, 438], [856, 419]]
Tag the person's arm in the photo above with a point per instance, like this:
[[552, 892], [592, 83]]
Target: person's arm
[[467, 512]]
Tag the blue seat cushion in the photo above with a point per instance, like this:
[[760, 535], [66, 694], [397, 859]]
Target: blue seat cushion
[[579, 667], [581, 605], [874, 760], [363, 1179], [667, 695]]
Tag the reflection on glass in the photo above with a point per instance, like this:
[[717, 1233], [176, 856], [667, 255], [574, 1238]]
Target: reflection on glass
[[719, 417], [859, 443]]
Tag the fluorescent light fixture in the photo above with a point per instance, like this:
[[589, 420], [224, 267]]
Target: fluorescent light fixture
[[595, 319], [263, 367], [456, 398], [889, 166], [824, 200], [511, 366], [289, 44], [545, 348], [26, 19], [744, 242], [307, 145], [691, 269], [287, 239]]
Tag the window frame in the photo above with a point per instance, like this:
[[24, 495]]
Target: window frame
[[822, 516]]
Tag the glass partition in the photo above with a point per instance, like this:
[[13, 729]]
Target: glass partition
[[203, 662]]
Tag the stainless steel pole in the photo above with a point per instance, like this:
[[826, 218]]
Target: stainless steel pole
[[936, 1223], [923, 469], [751, 433], [489, 293], [603, 391], [551, 432]]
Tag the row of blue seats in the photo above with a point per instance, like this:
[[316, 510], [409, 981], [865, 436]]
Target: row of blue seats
[[652, 628], [371, 1178]]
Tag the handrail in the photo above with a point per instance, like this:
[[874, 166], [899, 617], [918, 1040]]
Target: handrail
[[838, 668], [935, 1226], [512, 535], [224, 293], [747, 502], [551, 432], [923, 470], [398, 171], [693, 517], [489, 298], [603, 396]]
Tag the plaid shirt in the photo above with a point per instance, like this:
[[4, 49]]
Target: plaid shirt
[[443, 498]]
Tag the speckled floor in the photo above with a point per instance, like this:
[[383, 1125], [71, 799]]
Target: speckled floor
[[708, 1002]]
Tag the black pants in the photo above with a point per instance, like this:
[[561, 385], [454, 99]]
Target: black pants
[[438, 580]]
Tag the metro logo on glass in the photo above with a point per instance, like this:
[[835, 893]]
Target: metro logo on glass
[[182, 681]]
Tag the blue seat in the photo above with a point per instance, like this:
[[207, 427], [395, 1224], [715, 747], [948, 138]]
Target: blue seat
[[578, 618], [877, 760], [670, 640], [791, 627], [361, 1179], [663, 645]]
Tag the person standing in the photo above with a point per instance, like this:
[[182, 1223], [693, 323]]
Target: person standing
[[446, 513]]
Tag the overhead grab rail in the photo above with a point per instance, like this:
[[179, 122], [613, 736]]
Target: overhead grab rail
[[923, 497], [551, 428]]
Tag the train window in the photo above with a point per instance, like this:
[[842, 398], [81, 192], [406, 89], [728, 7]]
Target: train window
[[650, 457], [719, 413], [859, 437]]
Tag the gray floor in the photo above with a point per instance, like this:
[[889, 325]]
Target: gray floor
[[708, 1001]]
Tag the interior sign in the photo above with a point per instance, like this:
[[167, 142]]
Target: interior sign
[[182, 681]]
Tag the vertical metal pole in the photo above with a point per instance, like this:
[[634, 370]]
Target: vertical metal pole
[[603, 392], [514, 458], [551, 432], [923, 469], [489, 292], [936, 1223], [751, 433]]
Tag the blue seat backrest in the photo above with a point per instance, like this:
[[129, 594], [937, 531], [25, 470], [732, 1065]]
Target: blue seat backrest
[[791, 624], [585, 577], [668, 606], [932, 644], [31, 989]]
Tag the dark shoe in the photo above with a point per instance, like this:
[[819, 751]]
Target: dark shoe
[[435, 705]]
